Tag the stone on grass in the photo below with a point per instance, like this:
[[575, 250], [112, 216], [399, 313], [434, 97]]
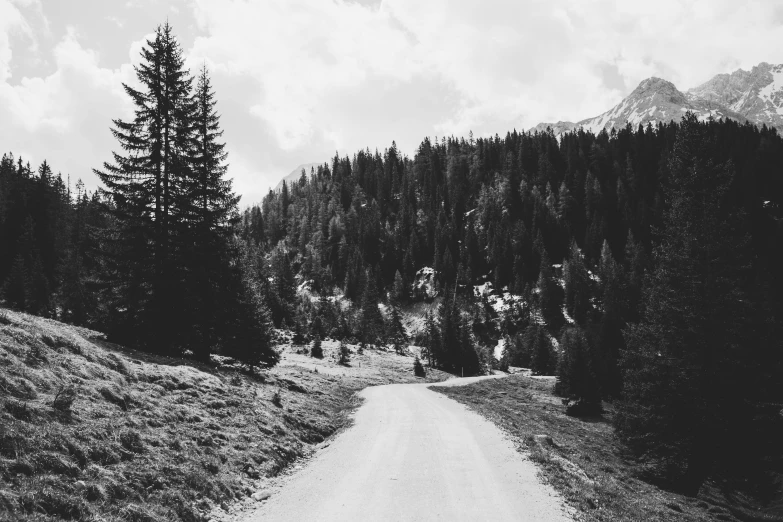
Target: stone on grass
[[262, 495]]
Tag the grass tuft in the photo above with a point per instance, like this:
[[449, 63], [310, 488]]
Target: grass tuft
[[64, 398]]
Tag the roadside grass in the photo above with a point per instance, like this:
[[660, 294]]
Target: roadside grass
[[585, 462], [93, 431]]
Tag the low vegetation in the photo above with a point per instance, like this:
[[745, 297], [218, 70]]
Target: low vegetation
[[91, 431], [586, 462]]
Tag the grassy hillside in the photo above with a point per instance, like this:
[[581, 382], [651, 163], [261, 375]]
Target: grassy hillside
[[90, 431]]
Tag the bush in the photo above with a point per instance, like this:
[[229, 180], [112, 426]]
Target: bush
[[317, 350], [418, 368]]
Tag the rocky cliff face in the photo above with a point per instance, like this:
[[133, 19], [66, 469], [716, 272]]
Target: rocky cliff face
[[755, 96]]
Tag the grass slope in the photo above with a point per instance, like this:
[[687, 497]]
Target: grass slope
[[585, 461], [151, 438]]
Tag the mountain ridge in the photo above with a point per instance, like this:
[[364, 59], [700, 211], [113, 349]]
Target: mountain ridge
[[754, 96]]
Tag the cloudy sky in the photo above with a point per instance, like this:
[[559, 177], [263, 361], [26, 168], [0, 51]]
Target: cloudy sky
[[298, 80]]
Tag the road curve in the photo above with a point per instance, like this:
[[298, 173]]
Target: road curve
[[414, 454]]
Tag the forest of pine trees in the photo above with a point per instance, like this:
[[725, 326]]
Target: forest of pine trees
[[645, 263], [641, 266]]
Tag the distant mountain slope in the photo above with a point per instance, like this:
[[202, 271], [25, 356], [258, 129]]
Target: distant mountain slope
[[755, 96], [558, 128], [294, 175]]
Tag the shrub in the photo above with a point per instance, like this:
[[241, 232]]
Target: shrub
[[418, 368]]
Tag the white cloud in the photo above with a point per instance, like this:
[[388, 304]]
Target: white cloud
[[11, 20], [57, 101], [65, 117], [116, 21], [298, 79]]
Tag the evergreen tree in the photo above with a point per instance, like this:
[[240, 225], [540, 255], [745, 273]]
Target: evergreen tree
[[248, 324], [577, 286], [396, 331], [550, 297], [542, 357], [576, 377], [344, 354], [316, 350], [688, 360], [146, 185], [418, 368], [15, 289], [372, 324], [399, 292], [432, 336], [212, 209]]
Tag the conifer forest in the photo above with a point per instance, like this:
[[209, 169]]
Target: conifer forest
[[642, 266]]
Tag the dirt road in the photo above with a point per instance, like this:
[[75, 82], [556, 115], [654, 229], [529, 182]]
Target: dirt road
[[414, 454]]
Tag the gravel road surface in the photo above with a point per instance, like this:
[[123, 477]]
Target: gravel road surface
[[414, 454]]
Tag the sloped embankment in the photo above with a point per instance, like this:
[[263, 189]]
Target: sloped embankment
[[89, 430], [587, 464]]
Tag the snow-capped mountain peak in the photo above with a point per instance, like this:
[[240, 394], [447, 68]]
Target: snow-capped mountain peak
[[755, 96]]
